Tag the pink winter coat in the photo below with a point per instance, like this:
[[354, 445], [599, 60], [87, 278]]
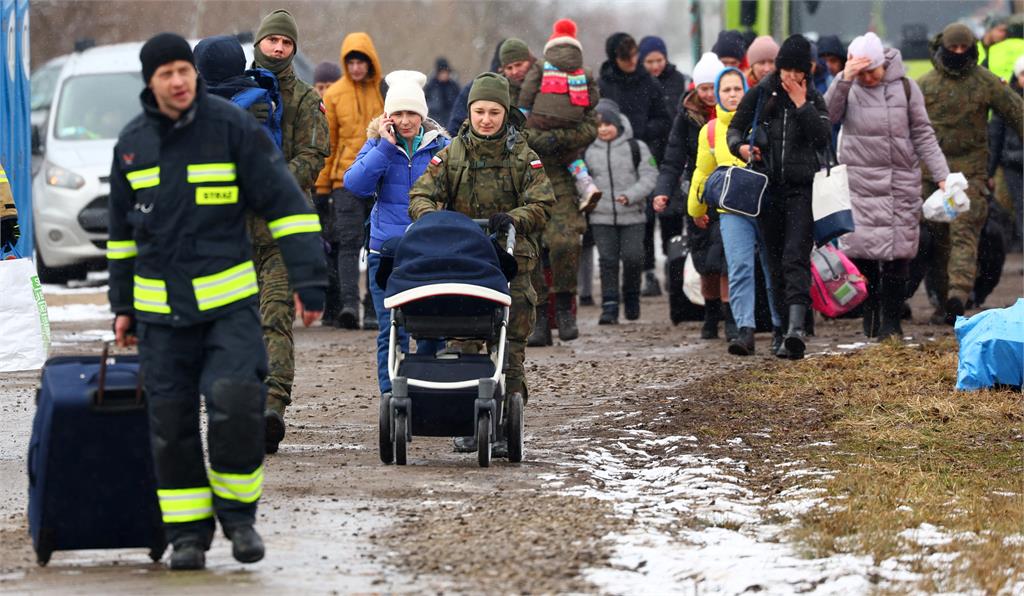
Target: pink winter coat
[[882, 144]]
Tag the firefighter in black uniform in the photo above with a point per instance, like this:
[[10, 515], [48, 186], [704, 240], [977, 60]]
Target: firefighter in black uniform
[[185, 171]]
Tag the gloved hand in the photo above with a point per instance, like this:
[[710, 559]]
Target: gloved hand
[[499, 222], [260, 111], [312, 298], [9, 230], [321, 202]]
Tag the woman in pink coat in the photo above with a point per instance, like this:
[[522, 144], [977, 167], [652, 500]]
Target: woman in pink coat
[[885, 135]]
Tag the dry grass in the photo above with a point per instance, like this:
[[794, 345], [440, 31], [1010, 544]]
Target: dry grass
[[909, 451]]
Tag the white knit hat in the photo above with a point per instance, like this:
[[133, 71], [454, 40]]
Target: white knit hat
[[405, 92], [867, 46], [707, 68]]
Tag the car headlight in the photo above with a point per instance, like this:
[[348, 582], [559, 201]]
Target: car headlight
[[63, 178]]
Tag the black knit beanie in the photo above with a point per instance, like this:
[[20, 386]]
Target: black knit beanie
[[795, 54], [161, 49], [730, 44]]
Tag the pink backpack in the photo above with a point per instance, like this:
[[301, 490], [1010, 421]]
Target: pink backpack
[[837, 287]]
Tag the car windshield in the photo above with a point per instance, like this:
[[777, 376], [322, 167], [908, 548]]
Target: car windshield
[[43, 83], [97, 106]]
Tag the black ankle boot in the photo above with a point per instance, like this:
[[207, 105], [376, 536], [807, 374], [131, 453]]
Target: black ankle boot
[[564, 318], [794, 340], [743, 345], [246, 544], [609, 313], [891, 310], [712, 315], [777, 345], [541, 335], [871, 317]]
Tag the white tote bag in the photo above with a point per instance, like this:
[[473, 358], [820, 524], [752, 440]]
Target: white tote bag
[[24, 324], [830, 204], [691, 282]]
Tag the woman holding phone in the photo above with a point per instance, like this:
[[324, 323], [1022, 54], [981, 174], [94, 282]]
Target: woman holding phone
[[400, 143]]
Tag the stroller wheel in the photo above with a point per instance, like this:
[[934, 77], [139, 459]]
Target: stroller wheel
[[401, 437], [483, 439], [385, 444], [514, 428]]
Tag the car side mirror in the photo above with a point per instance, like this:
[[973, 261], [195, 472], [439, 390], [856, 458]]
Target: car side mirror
[[37, 142]]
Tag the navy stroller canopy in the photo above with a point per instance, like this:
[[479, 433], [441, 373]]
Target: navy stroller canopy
[[445, 253]]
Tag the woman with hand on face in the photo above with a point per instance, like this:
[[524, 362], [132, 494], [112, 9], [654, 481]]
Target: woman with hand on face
[[886, 134], [741, 236], [792, 131], [400, 143]]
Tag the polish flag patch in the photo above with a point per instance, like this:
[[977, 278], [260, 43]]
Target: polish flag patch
[[536, 164], [435, 160]]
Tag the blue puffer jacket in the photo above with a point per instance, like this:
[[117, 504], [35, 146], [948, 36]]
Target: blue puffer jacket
[[386, 170]]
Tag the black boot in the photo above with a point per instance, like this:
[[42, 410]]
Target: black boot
[[246, 544], [631, 306], [794, 340], [541, 335], [778, 347], [743, 345], [871, 316], [712, 315], [731, 332], [954, 308], [651, 285], [187, 555], [274, 430], [891, 310], [609, 313], [566, 321], [369, 314]]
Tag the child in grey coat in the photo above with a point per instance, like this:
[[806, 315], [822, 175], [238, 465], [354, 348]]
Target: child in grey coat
[[625, 172]]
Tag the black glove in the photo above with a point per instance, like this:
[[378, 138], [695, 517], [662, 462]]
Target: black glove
[[312, 298], [321, 202], [499, 222], [9, 230], [260, 111]]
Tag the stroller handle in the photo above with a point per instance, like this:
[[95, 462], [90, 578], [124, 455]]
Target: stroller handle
[[510, 242]]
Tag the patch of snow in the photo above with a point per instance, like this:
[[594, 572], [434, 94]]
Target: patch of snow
[[854, 346], [821, 444], [79, 312]]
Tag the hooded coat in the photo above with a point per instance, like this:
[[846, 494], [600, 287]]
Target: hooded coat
[[385, 169], [611, 165], [958, 103], [639, 96], [674, 86], [885, 137], [350, 107]]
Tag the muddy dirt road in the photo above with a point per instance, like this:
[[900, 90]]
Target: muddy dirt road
[[621, 490]]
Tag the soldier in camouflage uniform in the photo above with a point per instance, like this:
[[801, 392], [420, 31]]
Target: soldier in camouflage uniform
[[8, 213], [561, 237], [489, 172], [959, 94], [306, 143]]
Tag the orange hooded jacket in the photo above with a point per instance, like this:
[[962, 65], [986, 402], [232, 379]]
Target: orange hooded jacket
[[350, 107]]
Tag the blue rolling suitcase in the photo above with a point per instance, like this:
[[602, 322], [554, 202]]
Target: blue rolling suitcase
[[91, 480]]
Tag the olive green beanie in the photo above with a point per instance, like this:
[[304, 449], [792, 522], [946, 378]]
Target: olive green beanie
[[279, 22], [513, 50], [490, 87]]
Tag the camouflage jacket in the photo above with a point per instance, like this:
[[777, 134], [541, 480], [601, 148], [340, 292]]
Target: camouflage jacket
[[306, 140], [958, 104], [481, 177]]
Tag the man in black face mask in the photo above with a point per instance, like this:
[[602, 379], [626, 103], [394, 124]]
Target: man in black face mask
[[959, 94]]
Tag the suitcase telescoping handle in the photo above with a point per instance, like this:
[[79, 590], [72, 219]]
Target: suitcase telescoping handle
[[101, 382]]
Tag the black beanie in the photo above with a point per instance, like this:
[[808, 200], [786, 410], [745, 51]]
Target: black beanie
[[161, 49], [795, 54], [730, 44]]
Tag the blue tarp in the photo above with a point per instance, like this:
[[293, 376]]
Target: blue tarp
[[991, 348], [15, 126]]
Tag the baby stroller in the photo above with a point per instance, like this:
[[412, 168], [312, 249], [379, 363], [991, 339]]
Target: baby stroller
[[448, 281]]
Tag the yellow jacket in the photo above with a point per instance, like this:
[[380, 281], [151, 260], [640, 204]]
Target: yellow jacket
[[707, 160], [6, 198], [350, 107]]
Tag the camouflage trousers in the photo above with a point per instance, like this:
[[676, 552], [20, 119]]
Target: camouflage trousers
[[561, 242], [522, 315], [955, 262], [277, 312]]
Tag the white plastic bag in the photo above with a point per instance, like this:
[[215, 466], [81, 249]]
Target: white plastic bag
[[691, 282], [24, 323], [945, 205]]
